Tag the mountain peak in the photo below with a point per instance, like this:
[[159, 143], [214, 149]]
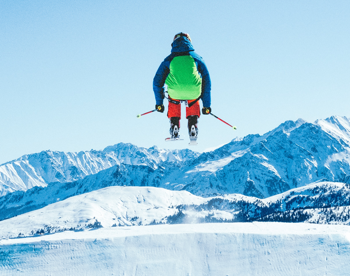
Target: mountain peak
[[120, 146], [336, 126], [286, 127], [337, 118]]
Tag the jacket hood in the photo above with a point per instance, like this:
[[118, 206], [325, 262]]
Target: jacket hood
[[182, 44]]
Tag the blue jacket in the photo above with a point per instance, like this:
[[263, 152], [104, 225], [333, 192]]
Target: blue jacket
[[182, 47]]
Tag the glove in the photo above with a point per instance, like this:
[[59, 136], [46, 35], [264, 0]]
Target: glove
[[206, 110], [160, 108]]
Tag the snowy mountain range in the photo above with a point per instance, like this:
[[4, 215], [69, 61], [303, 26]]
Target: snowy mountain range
[[297, 172], [292, 155], [46, 167]]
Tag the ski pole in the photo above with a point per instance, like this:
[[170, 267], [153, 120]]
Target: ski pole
[[223, 121], [139, 116]]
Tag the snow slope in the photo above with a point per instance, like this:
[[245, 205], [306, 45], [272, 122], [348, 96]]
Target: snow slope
[[323, 203], [264, 249], [108, 207], [336, 126]]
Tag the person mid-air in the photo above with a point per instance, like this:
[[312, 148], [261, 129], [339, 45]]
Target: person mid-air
[[187, 79]]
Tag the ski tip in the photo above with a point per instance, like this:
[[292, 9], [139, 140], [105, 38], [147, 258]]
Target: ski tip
[[138, 116], [234, 128]]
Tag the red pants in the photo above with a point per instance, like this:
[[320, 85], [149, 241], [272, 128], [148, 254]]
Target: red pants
[[174, 110]]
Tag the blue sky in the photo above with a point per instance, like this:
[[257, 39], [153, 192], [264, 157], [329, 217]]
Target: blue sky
[[74, 74]]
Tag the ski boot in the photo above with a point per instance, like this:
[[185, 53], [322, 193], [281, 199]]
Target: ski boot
[[175, 128], [193, 129]]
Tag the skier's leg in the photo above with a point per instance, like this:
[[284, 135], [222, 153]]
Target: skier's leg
[[193, 127], [174, 114], [174, 127], [192, 114]]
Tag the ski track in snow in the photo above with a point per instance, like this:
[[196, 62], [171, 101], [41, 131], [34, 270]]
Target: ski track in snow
[[265, 249]]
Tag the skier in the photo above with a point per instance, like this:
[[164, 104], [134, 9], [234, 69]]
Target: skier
[[187, 79]]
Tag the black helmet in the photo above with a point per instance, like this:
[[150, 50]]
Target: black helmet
[[182, 34]]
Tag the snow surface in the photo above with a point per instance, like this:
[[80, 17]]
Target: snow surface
[[325, 203], [197, 249], [108, 207], [336, 126]]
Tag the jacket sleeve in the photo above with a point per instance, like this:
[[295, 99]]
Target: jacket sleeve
[[206, 83], [159, 80]]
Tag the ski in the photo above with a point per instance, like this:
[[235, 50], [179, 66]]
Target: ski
[[193, 141], [172, 139]]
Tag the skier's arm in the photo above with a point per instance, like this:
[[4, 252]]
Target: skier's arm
[[158, 82], [206, 83]]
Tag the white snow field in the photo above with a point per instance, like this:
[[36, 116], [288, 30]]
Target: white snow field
[[119, 206], [186, 249], [107, 207]]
